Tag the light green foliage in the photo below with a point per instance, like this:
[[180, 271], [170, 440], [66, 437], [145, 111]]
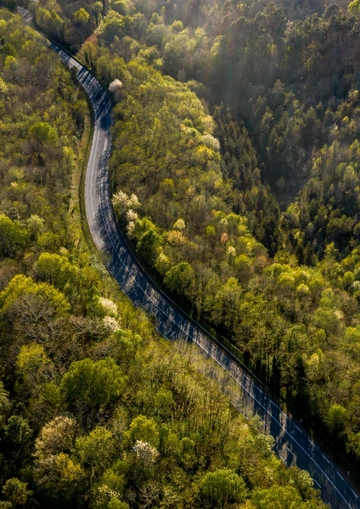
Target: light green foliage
[[120, 6], [16, 492], [35, 225], [42, 133], [21, 285], [354, 7], [50, 21], [115, 503], [54, 469], [10, 63], [13, 236], [112, 26], [59, 474], [164, 403], [33, 368], [81, 16], [109, 490], [144, 429], [5, 505], [91, 382], [56, 270], [3, 87], [30, 359], [335, 417], [179, 277], [96, 449], [278, 497], [223, 487]]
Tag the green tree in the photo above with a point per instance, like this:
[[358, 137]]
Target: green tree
[[43, 133], [16, 492], [21, 285], [96, 450], [179, 277], [115, 503], [223, 487], [335, 417], [30, 364], [60, 476], [13, 236], [95, 383], [354, 7], [56, 270], [81, 17], [54, 469], [277, 497], [164, 403], [143, 429], [148, 245], [17, 440]]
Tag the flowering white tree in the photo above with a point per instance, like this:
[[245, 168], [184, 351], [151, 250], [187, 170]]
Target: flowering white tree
[[115, 88], [145, 452], [120, 201], [127, 206]]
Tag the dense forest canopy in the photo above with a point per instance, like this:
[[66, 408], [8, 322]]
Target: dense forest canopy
[[235, 165], [236, 177], [96, 410]]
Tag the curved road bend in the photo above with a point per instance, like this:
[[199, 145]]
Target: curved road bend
[[293, 444]]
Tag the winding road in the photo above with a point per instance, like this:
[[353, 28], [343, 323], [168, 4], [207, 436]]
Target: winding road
[[292, 443]]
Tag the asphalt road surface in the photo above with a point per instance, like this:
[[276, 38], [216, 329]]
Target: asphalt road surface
[[293, 444]]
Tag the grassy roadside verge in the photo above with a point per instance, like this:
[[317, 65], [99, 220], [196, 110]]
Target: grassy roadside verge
[[77, 204]]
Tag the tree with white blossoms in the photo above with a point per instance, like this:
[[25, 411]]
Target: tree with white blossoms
[[110, 323], [144, 452], [211, 142], [133, 202], [115, 88], [130, 227], [109, 306], [54, 470], [122, 202], [131, 216]]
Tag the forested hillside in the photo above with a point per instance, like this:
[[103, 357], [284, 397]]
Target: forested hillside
[[236, 171], [95, 409]]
